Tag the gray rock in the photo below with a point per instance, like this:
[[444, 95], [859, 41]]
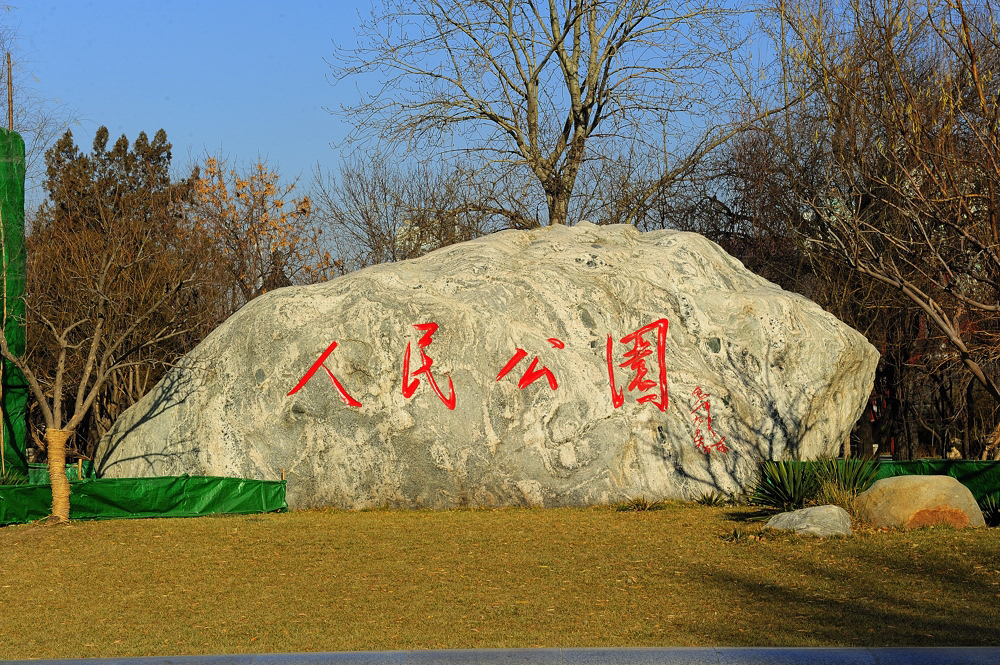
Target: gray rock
[[910, 502], [821, 521], [509, 400]]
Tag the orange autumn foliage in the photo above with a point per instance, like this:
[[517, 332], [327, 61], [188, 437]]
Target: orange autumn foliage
[[265, 236]]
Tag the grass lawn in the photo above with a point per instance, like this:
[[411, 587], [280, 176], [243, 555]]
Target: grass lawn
[[333, 581]]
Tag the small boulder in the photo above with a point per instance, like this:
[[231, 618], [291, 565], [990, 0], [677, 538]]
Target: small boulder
[[911, 502], [821, 521]]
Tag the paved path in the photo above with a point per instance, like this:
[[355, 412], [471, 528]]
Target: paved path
[[688, 656]]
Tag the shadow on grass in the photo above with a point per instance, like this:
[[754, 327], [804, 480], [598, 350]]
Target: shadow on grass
[[751, 515], [935, 600]]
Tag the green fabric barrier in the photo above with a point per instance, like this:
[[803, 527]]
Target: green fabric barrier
[[14, 403], [166, 496], [982, 478], [38, 474]]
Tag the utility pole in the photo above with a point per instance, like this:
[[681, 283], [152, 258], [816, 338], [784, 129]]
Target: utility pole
[[10, 96], [3, 253]]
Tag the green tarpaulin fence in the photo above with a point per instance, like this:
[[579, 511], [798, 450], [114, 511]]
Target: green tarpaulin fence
[[167, 496], [14, 401], [38, 474], [194, 496], [982, 478]]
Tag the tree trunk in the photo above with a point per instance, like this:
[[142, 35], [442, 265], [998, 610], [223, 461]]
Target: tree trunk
[[992, 448], [969, 422], [558, 208], [55, 446]]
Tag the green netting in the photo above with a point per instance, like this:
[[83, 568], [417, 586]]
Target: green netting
[[166, 496], [38, 474], [14, 403], [982, 478]]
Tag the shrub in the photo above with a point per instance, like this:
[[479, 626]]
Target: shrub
[[640, 503], [990, 505], [842, 480], [13, 477], [786, 485], [853, 475], [713, 498], [831, 493]]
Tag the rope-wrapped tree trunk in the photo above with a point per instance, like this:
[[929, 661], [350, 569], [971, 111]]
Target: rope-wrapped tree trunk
[[55, 444]]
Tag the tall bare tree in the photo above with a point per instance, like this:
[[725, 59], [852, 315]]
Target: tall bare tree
[[378, 211], [111, 270], [545, 86], [901, 122], [38, 119]]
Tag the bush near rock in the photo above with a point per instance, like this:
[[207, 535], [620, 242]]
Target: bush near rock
[[910, 502], [560, 366], [820, 521]]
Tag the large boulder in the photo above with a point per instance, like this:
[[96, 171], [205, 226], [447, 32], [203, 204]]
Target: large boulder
[[561, 366], [911, 502]]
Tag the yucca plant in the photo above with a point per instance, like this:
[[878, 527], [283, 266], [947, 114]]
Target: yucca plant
[[640, 503], [990, 505], [853, 475], [713, 498], [785, 485], [13, 477]]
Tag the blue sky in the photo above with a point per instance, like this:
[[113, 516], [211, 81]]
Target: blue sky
[[240, 79]]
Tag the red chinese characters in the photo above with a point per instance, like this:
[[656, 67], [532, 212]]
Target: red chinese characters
[[532, 374], [643, 357], [409, 387], [702, 414], [636, 361], [321, 362]]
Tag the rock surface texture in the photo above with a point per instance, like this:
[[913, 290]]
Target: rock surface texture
[[561, 366], [911, 502], [820, 521]]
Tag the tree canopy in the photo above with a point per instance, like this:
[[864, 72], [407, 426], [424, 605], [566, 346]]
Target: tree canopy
[[540, 88], [112, 276]]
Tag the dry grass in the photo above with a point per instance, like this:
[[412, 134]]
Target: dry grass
[[328, 581]]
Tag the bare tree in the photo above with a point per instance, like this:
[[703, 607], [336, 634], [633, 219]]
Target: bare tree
[[39, 120], [751, 203], [111, 271], [380, 212], [902, 112], [544, 87]]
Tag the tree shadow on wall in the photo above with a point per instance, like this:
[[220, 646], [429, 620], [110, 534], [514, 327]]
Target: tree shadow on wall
[[752, 442], [178, 384]]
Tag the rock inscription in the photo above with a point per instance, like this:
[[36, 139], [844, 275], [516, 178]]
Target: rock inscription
[[525, 367]]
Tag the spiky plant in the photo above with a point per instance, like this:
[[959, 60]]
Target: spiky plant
[[785, 485], [640, 503]]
